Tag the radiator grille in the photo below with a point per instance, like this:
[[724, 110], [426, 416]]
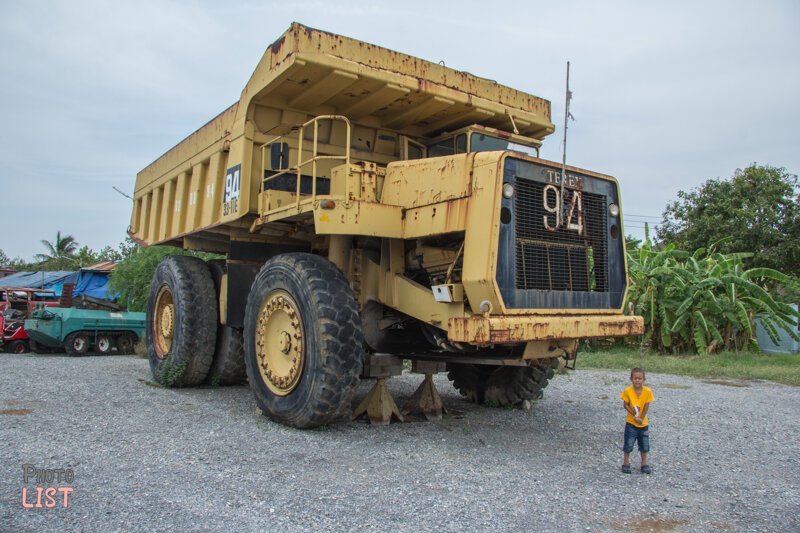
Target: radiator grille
[[561, 260]]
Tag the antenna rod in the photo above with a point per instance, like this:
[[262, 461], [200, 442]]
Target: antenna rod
[[122, 193], [568, 97]]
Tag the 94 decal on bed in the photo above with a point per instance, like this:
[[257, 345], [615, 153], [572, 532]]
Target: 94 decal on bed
[[233, 182]]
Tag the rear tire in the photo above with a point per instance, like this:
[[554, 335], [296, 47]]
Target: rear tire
[[18, 347], [181, 322], [76, 344], [501, 386], [227, 367], [125, 344], [303, 341]]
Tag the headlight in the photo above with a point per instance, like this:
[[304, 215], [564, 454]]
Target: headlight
[[613, 210], [508, 190]]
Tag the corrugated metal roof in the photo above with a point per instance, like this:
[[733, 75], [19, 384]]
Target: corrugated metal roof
[[102, 266]]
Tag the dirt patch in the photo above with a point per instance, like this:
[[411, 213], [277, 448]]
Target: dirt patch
[[675, 386], [651, 524], [17, 412], [725, 383]]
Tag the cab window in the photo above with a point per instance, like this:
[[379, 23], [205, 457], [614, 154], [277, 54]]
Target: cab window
[[453, 145]]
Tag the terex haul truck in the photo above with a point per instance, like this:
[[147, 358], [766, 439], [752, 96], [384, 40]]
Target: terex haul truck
[[371, 203]]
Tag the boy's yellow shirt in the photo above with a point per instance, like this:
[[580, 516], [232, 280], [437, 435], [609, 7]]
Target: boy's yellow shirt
[[637, 402]]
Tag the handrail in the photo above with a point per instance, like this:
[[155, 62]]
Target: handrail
[[314, 156]]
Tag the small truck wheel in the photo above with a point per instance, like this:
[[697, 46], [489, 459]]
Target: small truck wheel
[[76, 344], [18, 347], [125, 344], [303, 341], [103, 345], [181, 321]]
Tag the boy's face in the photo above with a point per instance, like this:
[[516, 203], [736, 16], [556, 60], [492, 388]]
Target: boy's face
[[637, 378]]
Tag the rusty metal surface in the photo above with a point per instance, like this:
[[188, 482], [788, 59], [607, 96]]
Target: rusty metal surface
[[499, 330]]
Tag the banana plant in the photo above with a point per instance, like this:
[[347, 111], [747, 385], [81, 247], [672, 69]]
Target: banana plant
[[705, 301]]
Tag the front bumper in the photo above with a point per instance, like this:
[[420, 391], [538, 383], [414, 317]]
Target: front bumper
[[512, 329]]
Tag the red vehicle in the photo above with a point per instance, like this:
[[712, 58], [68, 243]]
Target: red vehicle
[[16, 304], [15, 340], [25, 299]]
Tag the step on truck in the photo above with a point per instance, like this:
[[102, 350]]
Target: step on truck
[[374, 207]]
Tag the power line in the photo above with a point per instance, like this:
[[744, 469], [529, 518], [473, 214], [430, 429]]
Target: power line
[[641, 216]]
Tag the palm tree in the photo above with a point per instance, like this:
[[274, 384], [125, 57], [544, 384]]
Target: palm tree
[[64, 248]]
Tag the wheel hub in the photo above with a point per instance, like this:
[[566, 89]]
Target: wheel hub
[[103, 344], [279, 343], [167, 321], [79, 343], [163, 322]]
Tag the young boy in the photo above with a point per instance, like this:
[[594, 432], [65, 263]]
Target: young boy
[[636, 400]]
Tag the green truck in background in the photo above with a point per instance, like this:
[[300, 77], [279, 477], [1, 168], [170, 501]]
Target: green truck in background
[[85, 331]]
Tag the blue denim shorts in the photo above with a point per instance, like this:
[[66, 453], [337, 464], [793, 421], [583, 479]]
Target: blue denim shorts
[[634, 434]]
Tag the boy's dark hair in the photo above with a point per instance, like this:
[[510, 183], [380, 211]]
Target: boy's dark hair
[[638, 370]]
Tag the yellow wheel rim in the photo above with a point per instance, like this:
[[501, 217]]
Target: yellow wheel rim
[[279, 343], [163, 322]]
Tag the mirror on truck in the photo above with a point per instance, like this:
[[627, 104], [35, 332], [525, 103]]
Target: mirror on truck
[[279, 156]]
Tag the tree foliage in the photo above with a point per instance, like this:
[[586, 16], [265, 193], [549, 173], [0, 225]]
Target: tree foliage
[[704, 301], [132, 276], [756, 210], [62, 248]]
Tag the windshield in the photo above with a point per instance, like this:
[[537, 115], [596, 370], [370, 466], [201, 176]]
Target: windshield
[[453, 145], [480, 142]]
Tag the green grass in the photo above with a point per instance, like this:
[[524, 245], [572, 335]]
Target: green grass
[[783, 368]]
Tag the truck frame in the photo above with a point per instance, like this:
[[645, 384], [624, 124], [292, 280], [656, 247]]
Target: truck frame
[[372, 206]]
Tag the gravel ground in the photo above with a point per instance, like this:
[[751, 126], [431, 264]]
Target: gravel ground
[[724, 457]]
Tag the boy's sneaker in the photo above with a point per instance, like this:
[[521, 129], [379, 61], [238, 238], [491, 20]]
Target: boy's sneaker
[[646, 469], [626, 469]]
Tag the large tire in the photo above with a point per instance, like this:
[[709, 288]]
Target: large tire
[[501, 386], [303, 341], [227, 367], [181, 322], [76, 344]]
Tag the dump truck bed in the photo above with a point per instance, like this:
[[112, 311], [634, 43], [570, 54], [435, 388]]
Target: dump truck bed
[[306, 73]]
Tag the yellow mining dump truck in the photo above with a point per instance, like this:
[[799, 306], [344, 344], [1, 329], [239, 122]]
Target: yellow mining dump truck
[[373, 207]]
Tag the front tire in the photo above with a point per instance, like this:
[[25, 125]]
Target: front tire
[[181, 321], [76, 344], [303, 341], [501, 386]]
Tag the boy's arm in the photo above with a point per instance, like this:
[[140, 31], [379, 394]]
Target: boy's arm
[[644, 411], [628, 408]]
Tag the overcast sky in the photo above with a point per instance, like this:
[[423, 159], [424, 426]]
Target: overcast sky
[[666, 94]]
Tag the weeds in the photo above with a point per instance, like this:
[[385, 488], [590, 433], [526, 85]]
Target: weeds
[[171, 373]]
